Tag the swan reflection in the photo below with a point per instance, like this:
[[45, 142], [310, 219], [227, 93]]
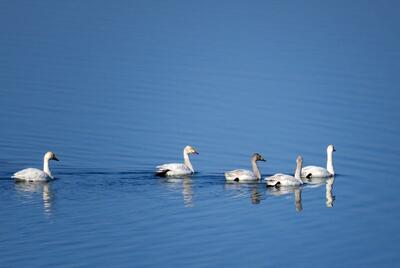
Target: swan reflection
[[328, 182], [287, 190], [330, 198], [186, 182], [29, 189], [297, 199], [243, 189]]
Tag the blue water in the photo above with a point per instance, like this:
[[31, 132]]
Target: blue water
[[116, 88]]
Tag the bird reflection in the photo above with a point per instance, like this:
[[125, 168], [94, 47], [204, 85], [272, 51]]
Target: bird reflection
[[330, 198], [328, 182], [255, 196], [187, 191], [281, 191], [242, 189], [28, 189], [297, 199]]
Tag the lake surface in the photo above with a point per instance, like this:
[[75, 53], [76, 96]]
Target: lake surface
[[115, 89]]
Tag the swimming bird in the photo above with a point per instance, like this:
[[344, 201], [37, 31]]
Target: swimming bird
[[177, 169], [34, 174], [320, 172], [287, 180], [246, 175]]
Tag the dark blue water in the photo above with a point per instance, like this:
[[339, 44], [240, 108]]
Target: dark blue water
[[115, 89]]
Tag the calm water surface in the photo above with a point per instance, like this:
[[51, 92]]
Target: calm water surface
[[116, 88]]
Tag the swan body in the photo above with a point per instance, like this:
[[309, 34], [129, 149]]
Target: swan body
[[283, 180], [240, 175], [315, 172], [280, 179], [173, 169], [246, 175], [31, 174], [34, 174], [321, 172], [178, 169]]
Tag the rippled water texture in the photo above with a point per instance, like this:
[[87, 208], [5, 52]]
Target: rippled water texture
[[116, 88]]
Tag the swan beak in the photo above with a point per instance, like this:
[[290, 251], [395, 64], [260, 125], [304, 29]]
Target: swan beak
[[55, 158], [195, 153], [334, 149], [263, 160]]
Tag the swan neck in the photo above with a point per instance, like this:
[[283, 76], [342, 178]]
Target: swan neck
[[256, 171], [297, 172], [187, 161], [46, 168], [329, 163]]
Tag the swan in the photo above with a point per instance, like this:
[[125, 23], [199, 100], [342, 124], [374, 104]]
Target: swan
[[34, 174], [287, 180], [320, 172], [246, 175], [177, 169]]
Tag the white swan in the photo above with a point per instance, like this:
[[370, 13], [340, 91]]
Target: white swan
[[320, 172], [176, 169], [246, 175], [34, 174], [287, 180]]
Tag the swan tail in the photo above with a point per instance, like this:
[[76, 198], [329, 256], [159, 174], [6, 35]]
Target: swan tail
[[273, 183], [162, 172]]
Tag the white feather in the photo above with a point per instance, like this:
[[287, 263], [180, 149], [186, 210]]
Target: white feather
[[241, 175], [283, 180], [314, 171], [31, 174], [174, 169]]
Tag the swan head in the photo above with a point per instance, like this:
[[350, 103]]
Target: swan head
[[299, 159], [257, 157], [50, 156], [330, 148], [190, 150]]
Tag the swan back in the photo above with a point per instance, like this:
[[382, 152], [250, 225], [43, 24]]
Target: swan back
[[240, 175], [283, 180], [315, 172], [31, 174], [173, 169]]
